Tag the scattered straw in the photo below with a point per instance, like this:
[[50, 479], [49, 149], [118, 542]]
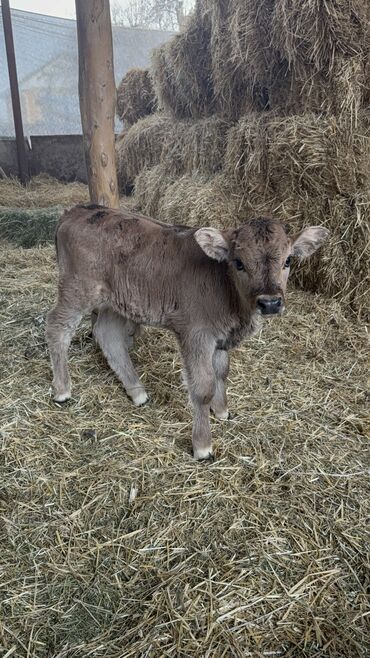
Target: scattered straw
[[41, 192], [114, 542]]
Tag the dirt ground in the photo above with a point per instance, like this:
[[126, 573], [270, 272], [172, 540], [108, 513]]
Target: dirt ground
[[116, 544]]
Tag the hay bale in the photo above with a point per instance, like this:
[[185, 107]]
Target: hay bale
[[150, 187], [197, 146], [141, 146], [304, 153], [342, 269], [217, 204], [41, 192], [181, 70], [185, 146], [315, 33], [29, 227], [289, 58], [199, 201], [340, 93], [135, 96], [239, 56], [178, 201]]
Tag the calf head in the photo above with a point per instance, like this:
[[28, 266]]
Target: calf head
[[259, 254]]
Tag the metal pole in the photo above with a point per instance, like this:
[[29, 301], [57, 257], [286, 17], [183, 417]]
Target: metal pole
[[13, 79]]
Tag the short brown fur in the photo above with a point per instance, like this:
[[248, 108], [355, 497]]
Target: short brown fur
[[208, 286]]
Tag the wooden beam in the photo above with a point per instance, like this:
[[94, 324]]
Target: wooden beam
[[14, 90], [97, 92]]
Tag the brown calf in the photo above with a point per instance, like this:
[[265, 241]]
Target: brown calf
[[209, 287]]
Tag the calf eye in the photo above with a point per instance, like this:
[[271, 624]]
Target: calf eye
[[239, 265], [288, 261]]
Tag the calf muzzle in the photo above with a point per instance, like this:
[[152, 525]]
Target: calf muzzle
[[269, 305]]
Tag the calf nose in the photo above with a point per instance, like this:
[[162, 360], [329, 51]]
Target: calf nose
[[269, 305]]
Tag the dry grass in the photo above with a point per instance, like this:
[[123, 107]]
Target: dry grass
[[32, 218], [41, 192], [189, 199], [199, 201], [135, 96], [115, 543]]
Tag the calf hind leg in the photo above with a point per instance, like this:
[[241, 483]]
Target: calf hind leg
[[221, 363], [114, 335], [61, 324]]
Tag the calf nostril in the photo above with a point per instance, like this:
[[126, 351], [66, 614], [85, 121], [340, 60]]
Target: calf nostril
[[268, 305]]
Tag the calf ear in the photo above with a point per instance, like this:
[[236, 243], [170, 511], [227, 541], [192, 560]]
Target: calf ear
[[308, 240], [213, 243]]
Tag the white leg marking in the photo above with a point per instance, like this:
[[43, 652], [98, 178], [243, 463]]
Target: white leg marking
[[62, 397], [203, 453], [139, 397]]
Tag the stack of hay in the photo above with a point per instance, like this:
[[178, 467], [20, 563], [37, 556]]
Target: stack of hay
[[264, 108]]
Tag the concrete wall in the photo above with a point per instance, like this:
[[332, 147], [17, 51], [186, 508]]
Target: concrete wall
[[61, 156], [8, 156]]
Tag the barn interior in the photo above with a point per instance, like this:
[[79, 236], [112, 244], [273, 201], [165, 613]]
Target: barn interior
[[115, 542]]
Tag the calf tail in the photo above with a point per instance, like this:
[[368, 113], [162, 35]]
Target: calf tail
[[56, 242]]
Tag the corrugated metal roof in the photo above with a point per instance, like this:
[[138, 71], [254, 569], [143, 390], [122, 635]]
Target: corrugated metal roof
[[47, 64]]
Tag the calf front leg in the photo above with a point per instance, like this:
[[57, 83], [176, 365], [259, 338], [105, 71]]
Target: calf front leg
[[221, 363], [201, 382]]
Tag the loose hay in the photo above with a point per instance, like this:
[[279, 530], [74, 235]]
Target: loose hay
[[116, 543], [135, 96], [41, 192]]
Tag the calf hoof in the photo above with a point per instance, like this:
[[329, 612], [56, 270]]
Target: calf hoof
[[62, 398], [139, 398], [222, 415], [203, 455]]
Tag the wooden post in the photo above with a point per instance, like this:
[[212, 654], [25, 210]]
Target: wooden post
[[97, 92], [14, 90]]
